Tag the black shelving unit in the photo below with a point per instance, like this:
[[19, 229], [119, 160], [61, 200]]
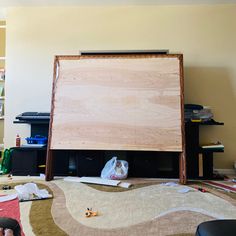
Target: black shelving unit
[[193, 151], [30, 160], [26, 161]]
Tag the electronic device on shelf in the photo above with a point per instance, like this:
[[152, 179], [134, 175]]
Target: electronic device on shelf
[[34, 116]]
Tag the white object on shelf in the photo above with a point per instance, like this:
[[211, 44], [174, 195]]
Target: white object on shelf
[[213, 146], [33, 145]]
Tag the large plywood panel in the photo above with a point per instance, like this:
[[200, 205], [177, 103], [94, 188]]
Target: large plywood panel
[[123, 103]]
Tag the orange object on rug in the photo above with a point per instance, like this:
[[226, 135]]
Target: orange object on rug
[[11, 209]]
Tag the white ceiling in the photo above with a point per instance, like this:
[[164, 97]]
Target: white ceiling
[[11, 3]]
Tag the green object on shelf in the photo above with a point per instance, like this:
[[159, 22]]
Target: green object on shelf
[[5, 166]]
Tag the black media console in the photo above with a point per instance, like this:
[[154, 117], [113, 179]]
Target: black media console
[[31, 160]]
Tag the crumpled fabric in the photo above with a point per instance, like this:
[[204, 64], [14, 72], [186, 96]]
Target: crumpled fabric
[[31, 191]]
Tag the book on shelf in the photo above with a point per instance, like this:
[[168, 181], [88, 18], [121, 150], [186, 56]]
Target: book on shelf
[[26, 145], [2, 74], [1, 109], [1, 90], [219, 146]]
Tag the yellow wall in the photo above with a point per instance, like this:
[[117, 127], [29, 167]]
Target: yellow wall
[[206, 36]]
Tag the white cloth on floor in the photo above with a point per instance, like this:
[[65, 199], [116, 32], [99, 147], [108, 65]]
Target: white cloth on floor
[[31, 191]]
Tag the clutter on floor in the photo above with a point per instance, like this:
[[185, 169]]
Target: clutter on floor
[[221, 185], [98, 180], [8, 197], [165, 199], [30, 192], [115, 169], [202, 190]]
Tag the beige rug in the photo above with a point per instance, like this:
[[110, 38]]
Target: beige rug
[[148, 208]]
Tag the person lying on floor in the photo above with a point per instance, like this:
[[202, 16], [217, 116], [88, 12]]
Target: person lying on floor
[[6, 232], [9, 227]]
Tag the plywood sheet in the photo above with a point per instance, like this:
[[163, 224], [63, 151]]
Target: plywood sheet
[[123, 103]]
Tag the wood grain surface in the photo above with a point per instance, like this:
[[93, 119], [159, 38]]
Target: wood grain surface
[[123, 103]]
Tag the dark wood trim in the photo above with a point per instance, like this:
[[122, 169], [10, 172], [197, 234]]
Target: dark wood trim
[[124, 52], [78, 57], [49, 160], [49, 165], [182, 156]]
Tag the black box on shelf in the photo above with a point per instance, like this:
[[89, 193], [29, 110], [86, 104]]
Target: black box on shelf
[[89, 163], [28, 161], [61, 163], [151, 164]]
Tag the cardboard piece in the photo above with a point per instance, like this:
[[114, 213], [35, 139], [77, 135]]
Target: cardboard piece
[[98, 180]]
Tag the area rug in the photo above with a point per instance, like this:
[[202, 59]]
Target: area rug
[[147, 208]]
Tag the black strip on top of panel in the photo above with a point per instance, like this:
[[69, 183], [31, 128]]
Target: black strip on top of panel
[[140, 52]]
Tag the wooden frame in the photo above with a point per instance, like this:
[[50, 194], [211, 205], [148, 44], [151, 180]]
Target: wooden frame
[[160, 89]]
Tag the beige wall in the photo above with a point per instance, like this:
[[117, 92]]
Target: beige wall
[[2, 43], [206, 36], [2, 65]]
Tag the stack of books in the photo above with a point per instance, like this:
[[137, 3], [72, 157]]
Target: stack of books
[[197, 112]]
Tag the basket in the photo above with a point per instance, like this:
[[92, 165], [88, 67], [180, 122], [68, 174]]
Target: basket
[[38, 139]]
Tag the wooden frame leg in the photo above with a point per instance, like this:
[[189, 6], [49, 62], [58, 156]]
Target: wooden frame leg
[[49, 166], [182, 168]]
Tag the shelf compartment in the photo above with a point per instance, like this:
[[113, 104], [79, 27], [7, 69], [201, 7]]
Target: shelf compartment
[[206, 150]]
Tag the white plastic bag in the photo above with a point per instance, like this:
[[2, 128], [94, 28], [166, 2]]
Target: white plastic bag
[[115, 169]]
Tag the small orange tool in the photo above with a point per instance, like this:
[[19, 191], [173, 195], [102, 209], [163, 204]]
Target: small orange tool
[[90, 213]]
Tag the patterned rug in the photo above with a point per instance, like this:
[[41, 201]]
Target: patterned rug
[[147, 208]]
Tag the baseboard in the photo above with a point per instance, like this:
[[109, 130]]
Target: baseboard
[[226, 171]]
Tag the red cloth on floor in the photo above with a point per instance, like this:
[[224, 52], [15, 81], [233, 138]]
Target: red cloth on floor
[[11, 209]]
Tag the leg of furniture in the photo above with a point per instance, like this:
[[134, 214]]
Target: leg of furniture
[[192, 149], [208, 165], [49, 165], [182, 168], [200, 165]]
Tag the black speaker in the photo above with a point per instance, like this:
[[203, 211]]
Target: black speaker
[[61, 162]]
